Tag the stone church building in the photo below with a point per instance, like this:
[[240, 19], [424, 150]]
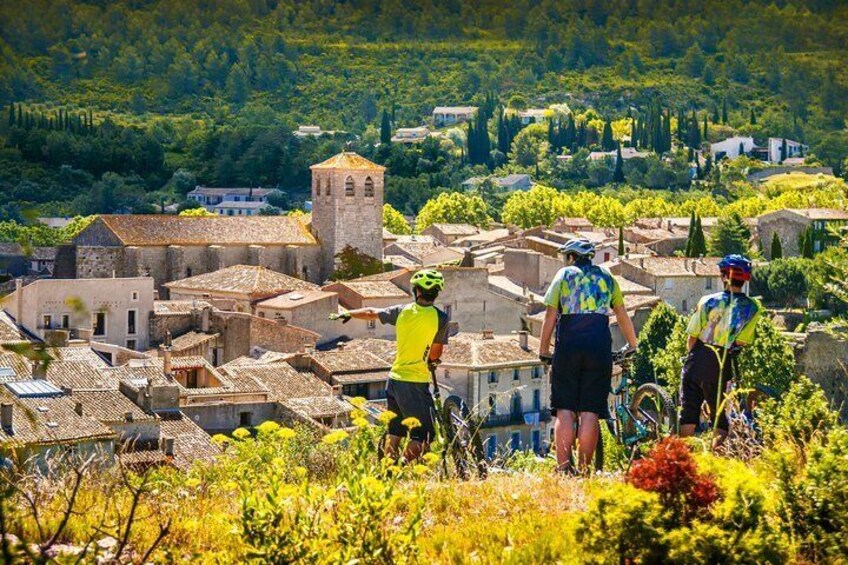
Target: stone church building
[[347, 194]]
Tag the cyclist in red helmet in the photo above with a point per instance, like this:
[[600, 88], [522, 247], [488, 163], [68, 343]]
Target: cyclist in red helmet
[[722, 323], [422, 332]]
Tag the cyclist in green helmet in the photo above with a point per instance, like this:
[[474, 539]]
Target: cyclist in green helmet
[[422, 332]]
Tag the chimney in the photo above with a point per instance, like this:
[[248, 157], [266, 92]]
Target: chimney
[[488, 334], [168, 446], [341, 346], [128, 416], [204, 319], [522, 339], [19, 301], [78, 408], [165, 353], [336, 391], [6, 412]]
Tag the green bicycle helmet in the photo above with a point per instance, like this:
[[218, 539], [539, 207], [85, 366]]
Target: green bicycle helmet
[[428, 279]]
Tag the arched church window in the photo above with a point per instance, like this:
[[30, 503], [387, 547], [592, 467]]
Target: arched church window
[[349, 187], [369, 188]]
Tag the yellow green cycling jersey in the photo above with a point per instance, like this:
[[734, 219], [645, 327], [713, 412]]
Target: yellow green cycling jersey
[[418, 328]]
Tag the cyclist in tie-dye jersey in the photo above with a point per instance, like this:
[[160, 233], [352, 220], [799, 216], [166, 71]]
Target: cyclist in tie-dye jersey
[[722, 323], [579, 302]]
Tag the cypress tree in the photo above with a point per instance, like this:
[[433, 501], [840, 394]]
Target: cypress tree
[[570, 132], [783, 150], [681, 126], [724, 119], [715, 114], [552, 140], [688, 251], [699, 242], [11, 114], [741, 149], [581, 135], [706, 129], [618, 174], [483, 144], [503, 133], [753, 117], [471, 142], [809, 241], [385, 128], [621, 241], [776, 247], [606, 139], [698, 174], [708, 165], [20, 116], [633, 139]]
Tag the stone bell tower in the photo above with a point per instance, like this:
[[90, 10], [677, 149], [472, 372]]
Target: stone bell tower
[[347, 207]]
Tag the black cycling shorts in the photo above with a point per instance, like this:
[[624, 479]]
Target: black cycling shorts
[[699, 383], [411, 400], [581, 372]]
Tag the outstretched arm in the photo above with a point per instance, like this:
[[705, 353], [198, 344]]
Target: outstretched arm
[[365, 313]]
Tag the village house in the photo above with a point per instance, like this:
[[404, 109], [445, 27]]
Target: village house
[[212, 198], [313, 131], [15, 261], [450, 115], [365, 293], [731, 148], [501, 380], [239, 208], [237, 288], [679, 281], [483, 239], [304, 309], [791, 223], [356, 372], [533, 115], [411, 135], [115, 311], [447, 234], [422, 250], [507, 183]]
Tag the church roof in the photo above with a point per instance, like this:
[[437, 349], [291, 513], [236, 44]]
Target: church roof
[[254, 281], [157, 230], [350, 161]]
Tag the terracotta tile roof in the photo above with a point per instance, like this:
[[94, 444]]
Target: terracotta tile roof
[[109, 406], [256, 282], [821, 213], [473, 350], [319, 406], [629, 287], [19, 364], [191, 444], [78, 353], [456, 229], [191, 340], [45, 421], [483, 237], [637, 301], [80, 375], [385, 349], [360, 378], [401, 262], [179, 307], [348, 361], [387, 276], [164, 230], [9, 332], [282, 380], [676, 266], [375, 289], [349, 161], [294, 299]]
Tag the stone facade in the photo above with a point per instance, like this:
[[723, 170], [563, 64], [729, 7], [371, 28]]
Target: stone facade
[[347, 207], [681, 292], [824, 359], [530, 268]]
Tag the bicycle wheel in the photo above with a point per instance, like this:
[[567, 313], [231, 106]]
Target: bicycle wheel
[[654, 409], [462, 436]]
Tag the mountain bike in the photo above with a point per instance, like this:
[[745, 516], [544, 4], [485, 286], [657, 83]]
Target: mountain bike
[[460, 433]]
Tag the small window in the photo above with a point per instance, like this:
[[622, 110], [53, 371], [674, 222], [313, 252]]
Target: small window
[[685, 306], [245, 419], [239, 309], [493, 377], [131, 322], [493, 403], [537, 372], [131, 344], [516, 374], [350, 188], [515, 441], [708, 284], [327, 187], [317, 190], [669, 284], [606, 256], [47, 321], [66, 321], [261, 314], [188, 272], [134, 295], [369, 188], [537, 400], [372, 324], [536, 438], [98, 324]]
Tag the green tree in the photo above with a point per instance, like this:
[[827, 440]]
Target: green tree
[[730, 235], [699, 242], [724, 118], [454, 208], [394, 221], [621, 249], [787, 280], [238, 85], [653, 339], [352, 264], [768, 360], [618, 173], [607, 142], [530, 146], [385, 128], [776, 247]]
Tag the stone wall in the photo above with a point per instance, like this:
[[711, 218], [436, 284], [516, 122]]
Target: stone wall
[[530, 268], [824, 359], [226, 416], [788, 227], [276, 336], [100, 262]]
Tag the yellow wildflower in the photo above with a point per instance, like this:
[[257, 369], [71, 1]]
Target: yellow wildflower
[[335, 437], [267, 427], [420, 469], [300, 472], [386, 417], [220, 439], [360, 422], [430, 458], [373, 484], [358, 401], [192, 482], [357, 413], [411, 423], [241, 433], [286, 433], [231, 485]]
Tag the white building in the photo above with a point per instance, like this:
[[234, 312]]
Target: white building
[[228, 208], [775, 149], [210, 198], [730, 147], [450, 115], [114, 311], [411, 135]]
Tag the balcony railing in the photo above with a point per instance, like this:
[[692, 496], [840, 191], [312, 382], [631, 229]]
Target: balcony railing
[[516, 418]]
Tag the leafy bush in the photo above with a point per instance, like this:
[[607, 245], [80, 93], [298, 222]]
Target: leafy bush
[[796, 417], [669, 361], [784, 281], [654, 338], [768, 360]]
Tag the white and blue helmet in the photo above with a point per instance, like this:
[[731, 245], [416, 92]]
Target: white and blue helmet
[[578, 246]]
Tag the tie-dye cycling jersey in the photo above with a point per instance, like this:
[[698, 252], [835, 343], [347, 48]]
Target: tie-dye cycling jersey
[[584, 289], [725, 318]]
